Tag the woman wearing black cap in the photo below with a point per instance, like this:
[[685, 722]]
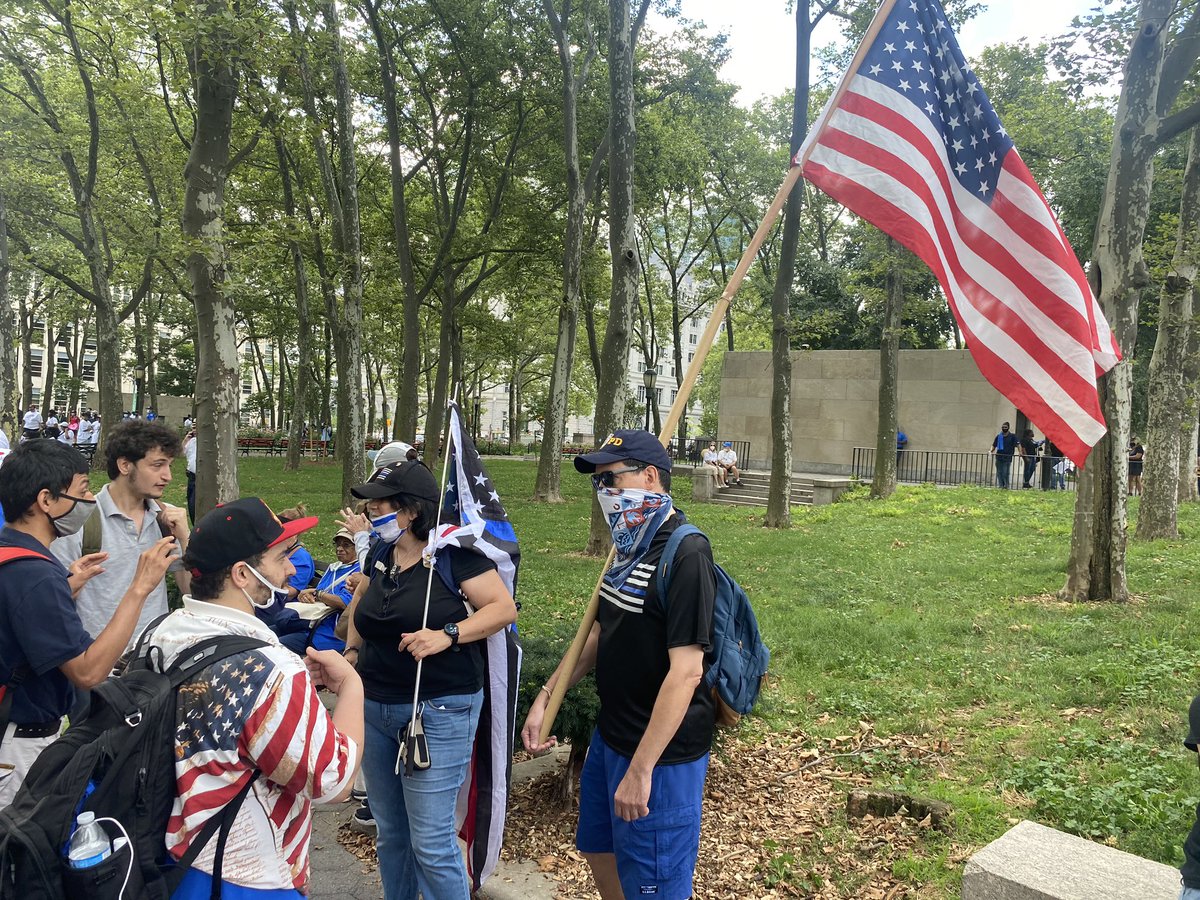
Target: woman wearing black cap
[[417, 847]]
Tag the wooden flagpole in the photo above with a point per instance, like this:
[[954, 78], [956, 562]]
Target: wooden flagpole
[[668, 429]]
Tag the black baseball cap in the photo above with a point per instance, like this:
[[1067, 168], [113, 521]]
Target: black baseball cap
[[409, 477], [626, 444], [236, 531]]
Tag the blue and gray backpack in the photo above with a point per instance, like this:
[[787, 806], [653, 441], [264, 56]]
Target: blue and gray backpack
[[740, 658]]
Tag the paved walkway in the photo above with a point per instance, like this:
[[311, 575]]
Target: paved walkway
[[337, 874]]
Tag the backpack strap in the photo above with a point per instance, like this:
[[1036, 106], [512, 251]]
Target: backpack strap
[[222, 823], [206, 652], [663, 578], [20, 673]]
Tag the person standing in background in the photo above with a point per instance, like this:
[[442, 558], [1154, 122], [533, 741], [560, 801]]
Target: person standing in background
[[189, 454]]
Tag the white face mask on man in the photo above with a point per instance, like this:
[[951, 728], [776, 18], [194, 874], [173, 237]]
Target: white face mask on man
[[277, 594]]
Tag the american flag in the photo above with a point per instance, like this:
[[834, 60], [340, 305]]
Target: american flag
[[258, 706], [478, 522], [910, 142]]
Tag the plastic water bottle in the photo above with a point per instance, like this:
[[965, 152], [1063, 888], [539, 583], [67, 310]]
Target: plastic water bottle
[[89, 845]]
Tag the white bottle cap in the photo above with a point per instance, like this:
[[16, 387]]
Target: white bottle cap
[[86, 818]]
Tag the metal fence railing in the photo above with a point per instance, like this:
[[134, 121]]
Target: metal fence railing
[[691, 451], [951, 467]]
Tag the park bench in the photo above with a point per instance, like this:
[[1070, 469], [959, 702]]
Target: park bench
[[89, 451], [246, 446]]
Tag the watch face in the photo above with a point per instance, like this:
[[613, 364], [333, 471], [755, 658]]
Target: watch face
[[451, 630]]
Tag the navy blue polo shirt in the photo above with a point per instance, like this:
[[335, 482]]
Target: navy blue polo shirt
[[39, 627]]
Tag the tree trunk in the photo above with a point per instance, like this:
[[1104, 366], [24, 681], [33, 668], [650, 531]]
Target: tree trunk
[[407, 399], [369, 424], [1169, 423], [779, 511], [217, 369], [25, 317], [547, 487], [883, 484], [435, 419], [614, 356], [8, 362], [1096, 567], [50, 367], [1189, 457], [151, 357]]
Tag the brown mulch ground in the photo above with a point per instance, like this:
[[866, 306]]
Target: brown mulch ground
[[774, 821]]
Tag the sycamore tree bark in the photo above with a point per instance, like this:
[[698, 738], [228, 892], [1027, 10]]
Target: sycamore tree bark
[[407, 402], [349, 362], [303, 368], [779, 496], [622, 235], [1169, 422], [1157, 67], [215, 86], [579, 191], [8, 361], [883, 484]]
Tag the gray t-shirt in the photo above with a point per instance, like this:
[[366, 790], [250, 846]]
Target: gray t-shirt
[[123, 543]]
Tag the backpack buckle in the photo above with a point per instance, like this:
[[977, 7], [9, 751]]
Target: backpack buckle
[[134, 719]]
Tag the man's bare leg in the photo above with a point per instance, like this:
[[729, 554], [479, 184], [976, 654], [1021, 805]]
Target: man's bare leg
[[604, 871]]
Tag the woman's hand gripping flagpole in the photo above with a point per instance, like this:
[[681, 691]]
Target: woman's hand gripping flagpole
[[571, 660]]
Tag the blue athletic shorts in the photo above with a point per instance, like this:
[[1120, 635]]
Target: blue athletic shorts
[[656, 855]]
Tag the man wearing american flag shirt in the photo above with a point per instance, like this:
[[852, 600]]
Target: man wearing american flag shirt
[[255, 711]]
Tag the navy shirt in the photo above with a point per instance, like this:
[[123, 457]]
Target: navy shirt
[[39, 627]]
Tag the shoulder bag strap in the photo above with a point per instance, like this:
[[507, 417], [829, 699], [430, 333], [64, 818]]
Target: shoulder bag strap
[[668, 558]]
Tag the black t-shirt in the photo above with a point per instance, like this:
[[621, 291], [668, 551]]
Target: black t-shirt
[[1135, 465], [1029, 445], [1190, 870], [636, 631], [391, 607]]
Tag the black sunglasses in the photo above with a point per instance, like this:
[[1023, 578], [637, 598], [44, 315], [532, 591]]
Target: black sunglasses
[[609, 479]]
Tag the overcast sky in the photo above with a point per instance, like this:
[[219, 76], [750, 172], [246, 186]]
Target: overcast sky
[[762, 34]]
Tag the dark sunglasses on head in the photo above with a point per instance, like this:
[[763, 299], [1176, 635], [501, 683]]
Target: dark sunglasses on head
[[609, 479]]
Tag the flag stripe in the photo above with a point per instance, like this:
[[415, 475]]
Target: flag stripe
[[1028, 386], [479, 524], [910, 142], [976, 282], [1022, 280]]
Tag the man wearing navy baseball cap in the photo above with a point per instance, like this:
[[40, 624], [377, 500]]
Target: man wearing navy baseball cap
[[642, 784]]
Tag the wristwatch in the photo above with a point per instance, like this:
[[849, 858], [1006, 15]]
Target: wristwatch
[[451, 630]]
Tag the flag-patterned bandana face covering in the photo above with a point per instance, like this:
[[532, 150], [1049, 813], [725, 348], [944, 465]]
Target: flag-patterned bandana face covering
[[633, 518]]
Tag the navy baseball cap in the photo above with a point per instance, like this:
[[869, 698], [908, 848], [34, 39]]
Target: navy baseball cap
[[626, 444], [236, 531]]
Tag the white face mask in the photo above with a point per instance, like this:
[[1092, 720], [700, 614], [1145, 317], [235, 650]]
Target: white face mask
[[72, 520], [277, 593], [387, 528]]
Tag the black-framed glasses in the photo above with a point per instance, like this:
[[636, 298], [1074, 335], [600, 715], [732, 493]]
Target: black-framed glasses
[[609, 479]]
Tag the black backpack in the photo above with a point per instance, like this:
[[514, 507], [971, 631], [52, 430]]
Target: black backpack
[[118, 762]]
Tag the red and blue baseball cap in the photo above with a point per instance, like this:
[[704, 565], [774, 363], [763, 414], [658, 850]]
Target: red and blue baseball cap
[[235, 531], [632, 444]]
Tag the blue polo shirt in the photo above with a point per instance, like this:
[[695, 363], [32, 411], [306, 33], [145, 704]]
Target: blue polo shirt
[[39, 627], [305, 567]]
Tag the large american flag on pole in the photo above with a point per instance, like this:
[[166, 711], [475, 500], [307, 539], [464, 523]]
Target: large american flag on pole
[[910, 142], [478, 522]]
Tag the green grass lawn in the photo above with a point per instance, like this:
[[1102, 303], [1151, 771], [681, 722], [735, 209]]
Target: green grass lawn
[[929, 614]]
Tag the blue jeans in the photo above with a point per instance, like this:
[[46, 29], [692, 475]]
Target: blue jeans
[[416, 842], [1189, 893], [1003, 468], [1030, 468]]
